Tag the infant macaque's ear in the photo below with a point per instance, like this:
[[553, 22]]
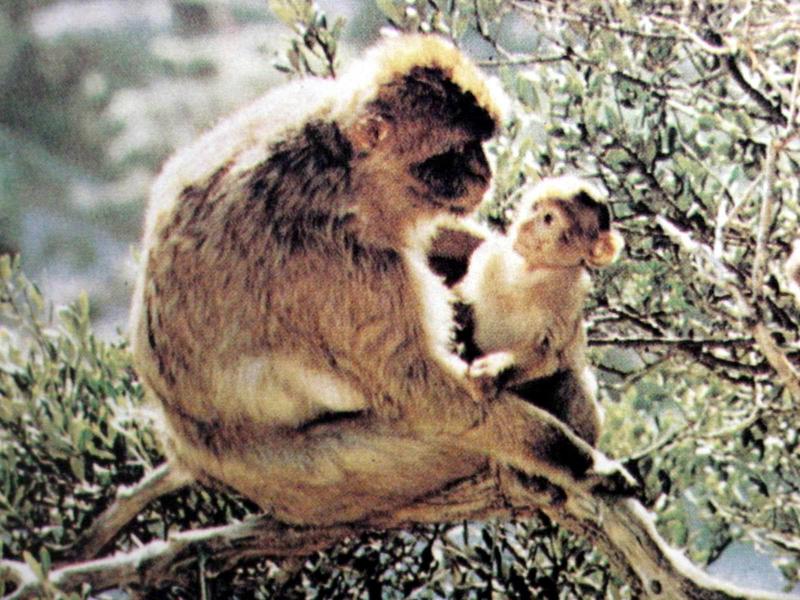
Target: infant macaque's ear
[[606, 249]]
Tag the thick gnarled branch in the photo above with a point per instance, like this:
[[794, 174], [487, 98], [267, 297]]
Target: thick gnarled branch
[[621, 528]]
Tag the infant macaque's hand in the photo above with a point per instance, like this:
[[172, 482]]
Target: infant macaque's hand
[[486, 370], [491, 365]]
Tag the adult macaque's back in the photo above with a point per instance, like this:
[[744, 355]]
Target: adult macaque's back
[[286, 318]]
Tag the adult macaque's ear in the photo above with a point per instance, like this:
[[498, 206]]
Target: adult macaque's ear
[[606, 249], [368, 132]]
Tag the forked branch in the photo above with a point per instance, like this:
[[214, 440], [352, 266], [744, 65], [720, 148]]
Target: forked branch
[[129, 503], [621, 528]]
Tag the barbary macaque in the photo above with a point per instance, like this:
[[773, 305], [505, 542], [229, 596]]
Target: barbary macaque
[[527, 290], [287, 321]]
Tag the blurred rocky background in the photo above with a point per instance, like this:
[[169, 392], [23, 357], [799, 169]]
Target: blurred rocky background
[[94, 95]]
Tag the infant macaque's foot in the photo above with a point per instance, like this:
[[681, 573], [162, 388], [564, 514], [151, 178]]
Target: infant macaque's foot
[[486, 370], [491, 365]]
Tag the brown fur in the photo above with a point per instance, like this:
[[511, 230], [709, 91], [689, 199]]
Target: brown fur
[[286, 318]]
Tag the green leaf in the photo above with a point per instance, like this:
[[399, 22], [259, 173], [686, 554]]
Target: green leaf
[[679, 532], [78, 467], [708, 122], [46, 563], [33, 565], [735, 175], [526, 92], [83, 307], [5, 267], [36, 300], [290, 12], [617, 159]]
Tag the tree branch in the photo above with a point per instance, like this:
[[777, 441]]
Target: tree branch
[[775, 115], [777, 359], [765, 218], [742, 342], [720, 274], [129, 503], [620, 528]]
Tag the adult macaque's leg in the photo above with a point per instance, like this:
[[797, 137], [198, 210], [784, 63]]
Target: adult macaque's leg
[[522, 435]]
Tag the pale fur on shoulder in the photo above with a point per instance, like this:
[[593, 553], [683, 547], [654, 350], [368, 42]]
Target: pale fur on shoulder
[[278, 110], [234, 137]]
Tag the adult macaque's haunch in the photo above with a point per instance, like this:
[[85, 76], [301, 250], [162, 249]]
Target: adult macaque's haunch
[[527, 291], [287, 320]]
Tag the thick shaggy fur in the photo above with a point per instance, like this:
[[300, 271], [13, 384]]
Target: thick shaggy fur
[[286, 318]]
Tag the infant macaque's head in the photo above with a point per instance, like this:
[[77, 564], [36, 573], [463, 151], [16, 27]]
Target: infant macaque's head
[[562, 223]]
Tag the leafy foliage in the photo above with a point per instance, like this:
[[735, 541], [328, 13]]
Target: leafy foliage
[[73, 430], [689, 119], [313, 51]]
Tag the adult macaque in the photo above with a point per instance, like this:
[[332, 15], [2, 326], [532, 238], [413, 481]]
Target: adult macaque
[[527, 291], [286, 318]]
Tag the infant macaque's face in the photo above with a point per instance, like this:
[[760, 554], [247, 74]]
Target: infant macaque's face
[[555, 234]]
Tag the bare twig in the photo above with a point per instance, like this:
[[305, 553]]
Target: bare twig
[[668, 440], [793, 104], [626, 524], [764, 222], [720, 49], [773, 111], [129, 503], [741, 342], [158, 562], [739, 203], [717, 273], [20, 575], [516, 61], [777, 359], [577, 17]]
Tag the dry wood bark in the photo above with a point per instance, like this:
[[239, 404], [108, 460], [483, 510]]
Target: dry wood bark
[[621, 528]]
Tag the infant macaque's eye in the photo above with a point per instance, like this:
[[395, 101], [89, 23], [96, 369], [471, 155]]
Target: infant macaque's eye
[[548, 218]]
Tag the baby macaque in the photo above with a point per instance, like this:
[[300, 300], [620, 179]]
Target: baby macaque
[[527, 288]]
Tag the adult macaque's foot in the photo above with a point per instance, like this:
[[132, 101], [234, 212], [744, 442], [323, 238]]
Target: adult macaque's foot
[[609, 477]]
